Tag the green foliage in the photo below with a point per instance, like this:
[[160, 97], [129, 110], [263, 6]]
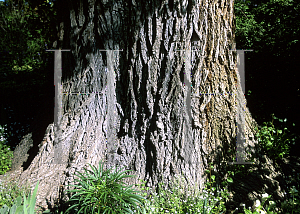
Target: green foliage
[[266, 22], [215, 202], [248, 30], [263, 207], [290, 206], [22, 39], [18, 208], [10, 191], [271, 28], [293, 204], [177, 200], [26, 31], [181, 200], [275, 142], [101, 191], [6, 154]]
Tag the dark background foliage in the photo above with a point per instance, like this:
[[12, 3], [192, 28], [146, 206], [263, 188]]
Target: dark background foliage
[[28, 29], [26, 75], [271, 28]]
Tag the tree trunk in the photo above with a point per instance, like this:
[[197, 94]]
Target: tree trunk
[[149, 108]]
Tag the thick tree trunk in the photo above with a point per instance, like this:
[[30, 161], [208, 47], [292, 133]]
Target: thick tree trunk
[[158, 111]]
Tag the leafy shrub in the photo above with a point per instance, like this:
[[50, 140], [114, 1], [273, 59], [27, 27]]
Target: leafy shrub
[[22, 208], [275, 142], [103, 192], [293, 204], [5, 153]]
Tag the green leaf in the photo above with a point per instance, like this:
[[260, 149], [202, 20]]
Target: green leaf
[[229, 180]]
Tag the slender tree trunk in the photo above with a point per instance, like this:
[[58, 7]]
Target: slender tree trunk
[[147, 106]]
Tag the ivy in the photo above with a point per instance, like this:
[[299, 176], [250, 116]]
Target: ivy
[[275, 141]]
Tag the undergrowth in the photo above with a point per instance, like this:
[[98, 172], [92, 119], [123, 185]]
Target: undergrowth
[[107, 192]]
